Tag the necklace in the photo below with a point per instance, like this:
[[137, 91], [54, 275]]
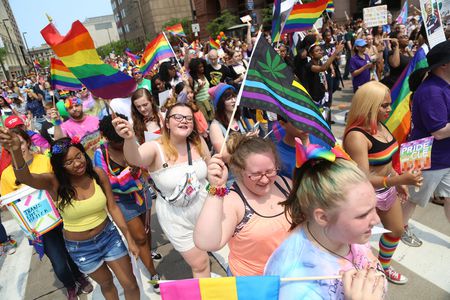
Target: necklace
[[332, 252]]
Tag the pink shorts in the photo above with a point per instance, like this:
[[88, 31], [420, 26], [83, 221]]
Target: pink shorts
[[386, 198]]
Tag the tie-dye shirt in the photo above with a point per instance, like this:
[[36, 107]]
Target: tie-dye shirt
[[298, 257]]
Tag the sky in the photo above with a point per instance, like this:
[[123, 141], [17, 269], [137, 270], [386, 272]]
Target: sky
[[30, 15]]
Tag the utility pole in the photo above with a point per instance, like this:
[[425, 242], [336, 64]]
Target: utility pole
[[28, 50], [14, 48]]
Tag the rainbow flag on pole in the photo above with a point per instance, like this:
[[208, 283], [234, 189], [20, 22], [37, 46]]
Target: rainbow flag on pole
[[213, 44], [303, 16], [36, 64], [156, 50], [224, 288], [403, 16], [176, 29], [77, 51], [276, 21], [330, 6], [132, 56], [61, 78]]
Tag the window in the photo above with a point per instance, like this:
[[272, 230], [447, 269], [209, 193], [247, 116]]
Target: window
[[127, 28], [122, 13], [113, 5]]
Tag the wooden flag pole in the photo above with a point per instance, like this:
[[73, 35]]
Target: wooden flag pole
[[109, 108], [178, 62], [238, 98]]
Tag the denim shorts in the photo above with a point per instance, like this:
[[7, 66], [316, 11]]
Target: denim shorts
[[90, 254], [130, 209]]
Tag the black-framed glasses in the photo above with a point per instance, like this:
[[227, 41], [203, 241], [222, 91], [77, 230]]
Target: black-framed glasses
[[258, 176], [179, 118]]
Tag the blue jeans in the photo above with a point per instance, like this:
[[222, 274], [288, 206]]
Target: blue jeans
[[64, 267]]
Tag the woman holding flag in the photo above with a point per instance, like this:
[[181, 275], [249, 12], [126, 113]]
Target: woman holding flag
[[372, 146]]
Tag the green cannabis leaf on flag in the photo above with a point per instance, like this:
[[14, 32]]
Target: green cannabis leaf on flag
[[273, 67]]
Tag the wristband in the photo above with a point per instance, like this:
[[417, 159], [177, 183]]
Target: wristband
[[219, 191], [385, 181], [56, 122]]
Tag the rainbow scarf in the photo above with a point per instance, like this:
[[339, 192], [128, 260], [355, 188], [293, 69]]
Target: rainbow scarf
[[176, 29], [225, 288], [303, 16], [77, 52], [61, 78], [156, 50], [213, 44], [330, 6]]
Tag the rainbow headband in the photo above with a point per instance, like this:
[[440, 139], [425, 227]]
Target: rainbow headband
[[316, 152], [72, 101]]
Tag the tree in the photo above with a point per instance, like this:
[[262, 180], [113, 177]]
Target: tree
[[119, 47], [222, 23]]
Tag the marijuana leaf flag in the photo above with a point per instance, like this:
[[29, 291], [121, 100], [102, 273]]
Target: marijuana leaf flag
[[270, 86]]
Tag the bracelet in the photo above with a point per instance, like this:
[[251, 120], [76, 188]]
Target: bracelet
[[385, 181], [219, 191], [21, 168], [56, 122]]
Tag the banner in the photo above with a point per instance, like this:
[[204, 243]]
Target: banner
[[416, 155], [375, 16], [433, 22]]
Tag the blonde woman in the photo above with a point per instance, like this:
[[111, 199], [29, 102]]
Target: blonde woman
[[177, 165], [370, 144]]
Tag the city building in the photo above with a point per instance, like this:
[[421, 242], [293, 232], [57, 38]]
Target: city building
[[14, 63], [138, 18], [103, 30], [41, 53]]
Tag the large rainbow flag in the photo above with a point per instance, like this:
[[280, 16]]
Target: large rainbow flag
[[225, 288], [399, 122], [61, 78], [303, 16], [77, 51], [213, 44], [176, 29], [270, 85], [156, 50]]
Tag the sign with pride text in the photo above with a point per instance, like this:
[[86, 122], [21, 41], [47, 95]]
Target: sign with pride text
[[416, 155]]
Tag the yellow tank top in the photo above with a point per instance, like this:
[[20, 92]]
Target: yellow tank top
[[83, 215]]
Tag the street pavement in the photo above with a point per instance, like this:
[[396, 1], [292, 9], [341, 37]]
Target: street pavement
[[23, 276]]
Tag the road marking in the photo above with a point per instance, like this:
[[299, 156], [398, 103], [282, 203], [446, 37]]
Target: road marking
[[429, 261], [15, 268]]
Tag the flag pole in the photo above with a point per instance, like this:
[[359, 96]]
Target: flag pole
[[238, 98], [178, 62]]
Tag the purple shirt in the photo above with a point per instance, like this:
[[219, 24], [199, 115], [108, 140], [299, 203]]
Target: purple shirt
[[356, 62], [431, 112]]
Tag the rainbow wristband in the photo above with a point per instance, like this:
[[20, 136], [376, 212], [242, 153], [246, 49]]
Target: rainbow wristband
[[56, 122], [219, 191]]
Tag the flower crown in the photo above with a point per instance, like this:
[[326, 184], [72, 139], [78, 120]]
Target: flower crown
[[72, 101], [59, 148]]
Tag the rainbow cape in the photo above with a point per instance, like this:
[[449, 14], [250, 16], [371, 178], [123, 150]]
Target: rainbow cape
[[156, 50], [176, 29], [330, 6], [77, 51], [213, 44], [225, 288], [303, 16], [61, 78]]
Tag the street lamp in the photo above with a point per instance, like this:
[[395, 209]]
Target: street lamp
[[26, 46], [14, 48]]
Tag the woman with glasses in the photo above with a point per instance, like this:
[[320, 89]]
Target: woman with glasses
[[248, 217], [177, 164], [84, 199], [372, 146]]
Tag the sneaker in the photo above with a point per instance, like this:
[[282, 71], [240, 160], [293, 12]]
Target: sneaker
[[8, 247], [156, 284], [395, 277], [84, 285], [156, 255], [410, 239], [72, 293]]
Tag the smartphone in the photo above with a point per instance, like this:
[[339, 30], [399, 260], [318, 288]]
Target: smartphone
[[255, 127]]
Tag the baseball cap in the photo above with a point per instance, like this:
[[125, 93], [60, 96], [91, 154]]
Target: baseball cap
[[360, 43], [13, 122]]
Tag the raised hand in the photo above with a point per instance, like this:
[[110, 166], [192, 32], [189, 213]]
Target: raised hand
[[217, 171], [123, 128]]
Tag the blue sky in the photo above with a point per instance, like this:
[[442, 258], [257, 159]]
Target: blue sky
[[30, 15]]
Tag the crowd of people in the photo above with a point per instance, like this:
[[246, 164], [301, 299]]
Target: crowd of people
[[105, 161]]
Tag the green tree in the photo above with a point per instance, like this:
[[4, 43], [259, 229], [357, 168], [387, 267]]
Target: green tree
[[118, 47], [222, 23]]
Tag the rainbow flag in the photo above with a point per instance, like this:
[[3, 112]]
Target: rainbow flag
[[213, 44], [276, 21], [176, 29], [330, 6], [399, 122], [403, 16], [303, 16], [37, 65], [224, 288], [77, 51], [61, 78], [156, 50], [131, 55]]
